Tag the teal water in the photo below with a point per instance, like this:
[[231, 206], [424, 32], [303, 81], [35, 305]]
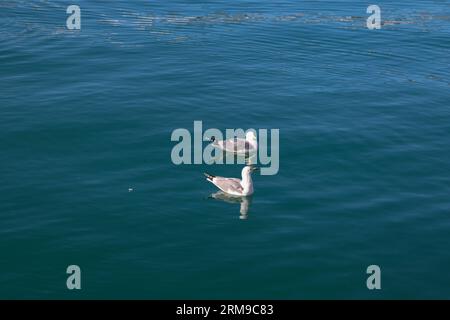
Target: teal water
[[364, 119]]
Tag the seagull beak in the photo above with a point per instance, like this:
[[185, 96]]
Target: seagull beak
[[255, 169]]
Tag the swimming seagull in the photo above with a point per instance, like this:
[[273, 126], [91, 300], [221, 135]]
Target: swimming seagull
[[238, 146], [234, 186]]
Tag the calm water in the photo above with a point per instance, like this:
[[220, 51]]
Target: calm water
[[364, 119]]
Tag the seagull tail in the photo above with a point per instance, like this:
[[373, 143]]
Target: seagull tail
[[209, 177]]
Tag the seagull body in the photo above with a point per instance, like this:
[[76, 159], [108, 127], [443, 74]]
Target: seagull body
[[238, 146], [234, 186]]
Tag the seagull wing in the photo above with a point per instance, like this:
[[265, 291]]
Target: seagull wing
[[235, 145], [228, 185]]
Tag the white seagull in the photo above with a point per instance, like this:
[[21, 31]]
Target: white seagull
[[238, 146], [234, 186]]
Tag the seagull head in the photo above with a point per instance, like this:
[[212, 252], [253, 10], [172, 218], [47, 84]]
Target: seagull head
[[249, 169], [250, 136]]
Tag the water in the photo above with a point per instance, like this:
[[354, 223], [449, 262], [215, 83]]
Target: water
[[364, 149]]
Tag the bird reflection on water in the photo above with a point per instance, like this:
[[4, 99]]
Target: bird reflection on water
[[245, 202]]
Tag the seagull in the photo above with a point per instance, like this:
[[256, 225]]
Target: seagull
[[234, 186], [238, 146]]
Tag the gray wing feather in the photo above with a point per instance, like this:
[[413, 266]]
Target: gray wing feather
[[235, 145], [228, 184]]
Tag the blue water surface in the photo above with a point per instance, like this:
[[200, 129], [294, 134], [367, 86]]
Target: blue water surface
[[87, 178]]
